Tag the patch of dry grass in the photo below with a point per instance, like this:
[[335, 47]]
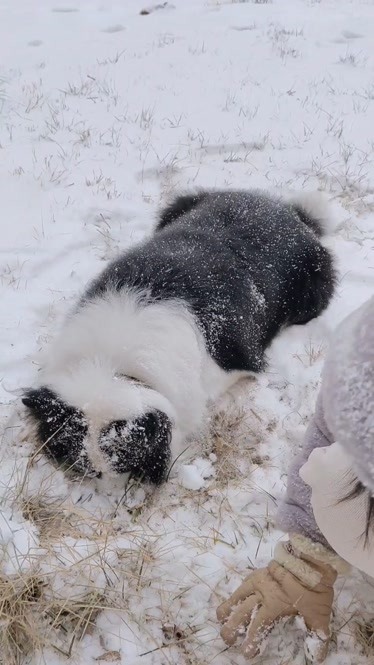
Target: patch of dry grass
[[19, 616], [235, 435], [364, 634], [70, 620], [55, 519], [29, 620], [32, 616]]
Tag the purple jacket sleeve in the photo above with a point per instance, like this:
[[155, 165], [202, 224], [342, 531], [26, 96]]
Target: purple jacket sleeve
[[346, 403], [295, 514]]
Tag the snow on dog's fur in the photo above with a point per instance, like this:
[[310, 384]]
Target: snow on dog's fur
[[173, 323]]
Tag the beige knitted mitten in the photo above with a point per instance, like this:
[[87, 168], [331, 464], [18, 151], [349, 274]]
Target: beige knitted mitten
[[297, 582]]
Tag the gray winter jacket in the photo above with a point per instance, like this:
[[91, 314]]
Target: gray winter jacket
[[344, 413]]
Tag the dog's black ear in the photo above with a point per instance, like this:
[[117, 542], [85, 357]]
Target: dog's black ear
[[61, 429], [181, 205], [35, 399], [44, 403], [140, 446]]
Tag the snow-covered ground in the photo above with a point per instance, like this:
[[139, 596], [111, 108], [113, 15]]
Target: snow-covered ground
[[103, 113]]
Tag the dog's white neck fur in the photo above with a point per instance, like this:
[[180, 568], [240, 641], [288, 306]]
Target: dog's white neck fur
[[120, 335]]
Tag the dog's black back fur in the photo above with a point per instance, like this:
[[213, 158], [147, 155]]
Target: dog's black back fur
[[245, 264]]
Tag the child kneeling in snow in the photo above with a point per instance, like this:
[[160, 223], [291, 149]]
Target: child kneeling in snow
[[328, 511]]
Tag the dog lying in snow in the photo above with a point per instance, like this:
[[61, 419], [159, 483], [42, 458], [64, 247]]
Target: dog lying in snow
[[172, 323]]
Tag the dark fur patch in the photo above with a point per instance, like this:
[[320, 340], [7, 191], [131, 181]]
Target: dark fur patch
[[61, 429], [245, 264], [140, 447], [178, 207]]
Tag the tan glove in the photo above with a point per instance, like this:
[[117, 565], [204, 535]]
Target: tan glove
[[298, 582]]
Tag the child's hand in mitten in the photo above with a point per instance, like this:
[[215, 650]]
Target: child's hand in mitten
[[296, 583]]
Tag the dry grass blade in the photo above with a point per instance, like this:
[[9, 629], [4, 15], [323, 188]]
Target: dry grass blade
[[56, 519], [71, 620], [231, 431], [29, 620], [364, 633], [19, 617]]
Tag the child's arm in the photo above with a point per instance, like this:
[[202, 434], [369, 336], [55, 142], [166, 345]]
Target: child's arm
[[295, 514], [299, 581]]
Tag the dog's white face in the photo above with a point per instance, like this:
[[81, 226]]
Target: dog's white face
[[122, 431], [120, 388]]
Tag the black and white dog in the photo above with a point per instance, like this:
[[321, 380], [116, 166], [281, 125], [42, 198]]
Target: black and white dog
[[172, 324]]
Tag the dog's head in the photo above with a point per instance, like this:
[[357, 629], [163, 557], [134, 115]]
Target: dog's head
[[71, 438]]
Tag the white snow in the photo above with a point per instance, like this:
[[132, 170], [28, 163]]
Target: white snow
[[193, 476], [104, 112]]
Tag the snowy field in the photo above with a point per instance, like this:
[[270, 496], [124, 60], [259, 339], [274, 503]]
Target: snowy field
[[104, 112]]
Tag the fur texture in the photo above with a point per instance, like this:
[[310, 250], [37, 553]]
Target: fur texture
[[176, 320], [299, 555], [308, 548], [314, 210]]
